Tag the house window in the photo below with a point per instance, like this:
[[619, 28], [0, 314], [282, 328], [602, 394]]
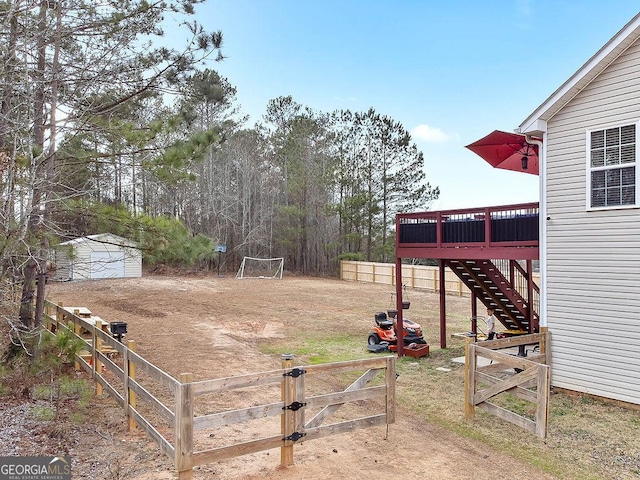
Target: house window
[[612, 167]]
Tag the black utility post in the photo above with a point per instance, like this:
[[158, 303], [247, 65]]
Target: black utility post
[[220, 249]]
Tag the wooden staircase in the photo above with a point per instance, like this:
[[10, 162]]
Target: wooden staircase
[[493, 289]]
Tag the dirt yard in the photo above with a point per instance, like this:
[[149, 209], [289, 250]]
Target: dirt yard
[[218, 327]]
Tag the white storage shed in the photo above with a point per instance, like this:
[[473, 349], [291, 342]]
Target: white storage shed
[[98, 256]]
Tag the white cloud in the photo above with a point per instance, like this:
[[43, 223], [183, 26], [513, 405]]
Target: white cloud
[[430, 134]]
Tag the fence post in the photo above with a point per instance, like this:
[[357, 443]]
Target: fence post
[[97, 364], [469, 377], [287, 419], [542, 412], [45, 317], [76, 330], [130, 373], [390, 380], [544, 345], [59, 317], [94, 358], [76, 324], [184, 427], [435, 280]]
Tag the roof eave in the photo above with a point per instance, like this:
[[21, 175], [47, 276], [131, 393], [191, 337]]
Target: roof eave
[[536, 123]]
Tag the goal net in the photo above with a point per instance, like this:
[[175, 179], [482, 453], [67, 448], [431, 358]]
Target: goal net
[[260, 268]]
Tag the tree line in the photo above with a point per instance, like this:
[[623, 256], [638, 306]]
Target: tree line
[[106, 127]]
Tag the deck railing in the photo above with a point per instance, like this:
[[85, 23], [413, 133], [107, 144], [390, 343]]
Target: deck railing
[[509, 225]]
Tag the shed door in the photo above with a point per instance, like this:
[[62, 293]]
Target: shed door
[[107, 264]]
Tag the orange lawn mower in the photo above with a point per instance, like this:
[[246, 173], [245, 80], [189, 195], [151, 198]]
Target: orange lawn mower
[[383, 333]]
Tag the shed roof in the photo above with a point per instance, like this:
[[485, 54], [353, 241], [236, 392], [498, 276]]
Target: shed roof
[[103, 237], [536, 123]]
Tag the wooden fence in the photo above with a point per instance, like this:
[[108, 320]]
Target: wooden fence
[[168, 415], [531, 381], [414, 276]]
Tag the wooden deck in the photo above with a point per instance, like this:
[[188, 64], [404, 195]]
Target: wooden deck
[[469, 241], [503, 232]]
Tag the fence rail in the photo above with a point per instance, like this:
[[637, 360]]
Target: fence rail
[[116, 369], [415, 276]]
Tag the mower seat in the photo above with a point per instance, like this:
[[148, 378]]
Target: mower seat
[[382, 321]]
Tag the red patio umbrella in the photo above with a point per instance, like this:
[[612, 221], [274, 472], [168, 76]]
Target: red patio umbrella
[[507, 150]]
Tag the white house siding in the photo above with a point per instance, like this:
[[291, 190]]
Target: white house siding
[[80, 267], [593, 258]]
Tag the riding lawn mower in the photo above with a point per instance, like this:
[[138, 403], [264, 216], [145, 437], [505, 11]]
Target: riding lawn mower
[[385, 330]]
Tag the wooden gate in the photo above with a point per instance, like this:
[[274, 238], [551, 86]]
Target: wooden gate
[[522, 377]]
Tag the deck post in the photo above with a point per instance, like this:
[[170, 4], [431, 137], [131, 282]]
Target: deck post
[[530, 295], [487, 227], [443, 305], [400, 330]]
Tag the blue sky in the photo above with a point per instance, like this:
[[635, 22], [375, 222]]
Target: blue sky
[[449, 71]]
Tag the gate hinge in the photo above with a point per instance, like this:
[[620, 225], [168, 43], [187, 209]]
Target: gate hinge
[[294, 437], [295, 373], [294, 406]]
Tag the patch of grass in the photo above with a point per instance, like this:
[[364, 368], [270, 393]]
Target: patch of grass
[[579, 431], [43, 413], [77, 389], [316, 349], [78, 418], [41, 392], [4, 389], [516, 405]]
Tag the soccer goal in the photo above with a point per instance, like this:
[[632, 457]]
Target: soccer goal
[[260, 268]]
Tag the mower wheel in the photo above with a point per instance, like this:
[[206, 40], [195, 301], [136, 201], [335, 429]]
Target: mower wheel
[[373, 339]]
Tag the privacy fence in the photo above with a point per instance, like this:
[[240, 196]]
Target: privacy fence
[[191, 421], [414, 276]]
